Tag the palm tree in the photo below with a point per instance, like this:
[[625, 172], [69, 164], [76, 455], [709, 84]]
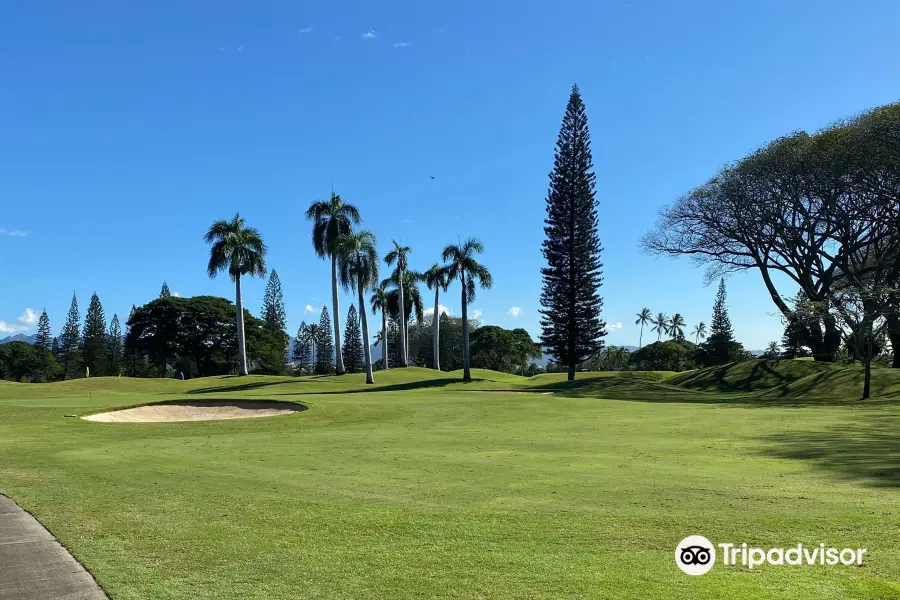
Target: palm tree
[[359, 269], [412, 300], [699, 332], [643, 318], [379, 302], [436, 278], [660, 325], [398, 255], [676, 326], [462, 264], [239, 250], [773, 350], [313, 330], [331, 220]]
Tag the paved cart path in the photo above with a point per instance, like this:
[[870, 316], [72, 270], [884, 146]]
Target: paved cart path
[[34, 566]]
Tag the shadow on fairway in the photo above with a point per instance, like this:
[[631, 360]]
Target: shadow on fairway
[[242, 387], [401, 387], [867, 450]]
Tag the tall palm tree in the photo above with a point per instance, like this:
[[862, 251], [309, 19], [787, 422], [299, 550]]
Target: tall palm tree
[[676, 326], [239, 250], [643, 318], [359, 269], [699, 332], [331, 220], [379, 302], [660, 325], [437, 279], [412, 300], [313, 330], [461, 264], [398, 255]]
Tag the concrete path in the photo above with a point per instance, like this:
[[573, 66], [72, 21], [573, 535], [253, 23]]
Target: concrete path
[[34, 566]]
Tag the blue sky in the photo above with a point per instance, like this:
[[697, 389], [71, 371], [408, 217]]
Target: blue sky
[[127, 128]]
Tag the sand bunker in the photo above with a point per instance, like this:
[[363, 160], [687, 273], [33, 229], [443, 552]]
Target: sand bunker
[[195, 411]]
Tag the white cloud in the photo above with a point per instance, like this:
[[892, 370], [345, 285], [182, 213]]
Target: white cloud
[[401, 44], [369, 35], [407, 220], [308, 308], [29, 317], [305, 30], [178, 295], [24, 322], [441, 308], [14, 232], [514, 311], [616, 325], [476, 314]]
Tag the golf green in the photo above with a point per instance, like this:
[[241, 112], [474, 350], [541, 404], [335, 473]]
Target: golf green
[[425, 487]]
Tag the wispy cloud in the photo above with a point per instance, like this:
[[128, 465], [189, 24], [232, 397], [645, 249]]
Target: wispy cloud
[[14, 232], [476, 314], [176, 294], [616, 325], [305, 30], [514, 311], [222, 49], [241, 47], [309, 308], [369, 35], [401, 44], [23, 323], [407, 220]]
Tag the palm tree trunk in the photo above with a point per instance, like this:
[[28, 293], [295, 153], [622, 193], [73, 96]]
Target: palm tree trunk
[[242, 349], [404, 359], [436, 326], [467, 375], [336, 319], [365, 333], [384, 342], [641, 337]]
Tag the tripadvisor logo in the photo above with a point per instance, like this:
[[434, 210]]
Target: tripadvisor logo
[[696, 555]]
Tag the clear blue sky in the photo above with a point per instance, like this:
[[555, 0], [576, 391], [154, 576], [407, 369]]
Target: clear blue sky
[[127, 128]]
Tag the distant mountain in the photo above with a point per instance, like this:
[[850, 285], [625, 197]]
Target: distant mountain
[[19, 337]]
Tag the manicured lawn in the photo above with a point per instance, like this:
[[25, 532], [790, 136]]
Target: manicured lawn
[[428, 488]]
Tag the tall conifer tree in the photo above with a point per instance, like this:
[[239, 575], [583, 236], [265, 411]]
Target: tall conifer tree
[[324, 345], [273, 311], [720, 346], [114, 352], [572, 329], [93, 338], [69, 340], [44, 339], [164, 292], [302, 352], [354, 361]]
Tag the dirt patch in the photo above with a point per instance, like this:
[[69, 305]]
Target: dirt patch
[[195, 411]]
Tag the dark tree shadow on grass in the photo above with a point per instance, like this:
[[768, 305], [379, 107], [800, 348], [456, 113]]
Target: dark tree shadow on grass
[[866, 451], [409, 385]]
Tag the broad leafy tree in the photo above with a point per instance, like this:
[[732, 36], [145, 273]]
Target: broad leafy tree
[[331, 220], [572, 329], [240, 251], [437, 278], [463, 265], [502, 349]]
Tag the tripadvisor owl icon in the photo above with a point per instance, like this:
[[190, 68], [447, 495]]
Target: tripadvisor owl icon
[[695, 555]]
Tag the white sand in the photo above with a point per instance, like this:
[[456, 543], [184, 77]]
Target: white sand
[[195, 411]]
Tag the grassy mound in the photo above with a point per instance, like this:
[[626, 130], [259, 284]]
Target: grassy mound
[[789, 379]]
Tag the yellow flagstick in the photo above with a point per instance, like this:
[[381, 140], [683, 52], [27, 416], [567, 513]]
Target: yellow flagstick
[[87, 372]]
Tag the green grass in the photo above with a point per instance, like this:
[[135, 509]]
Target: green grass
[[425, 487]]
